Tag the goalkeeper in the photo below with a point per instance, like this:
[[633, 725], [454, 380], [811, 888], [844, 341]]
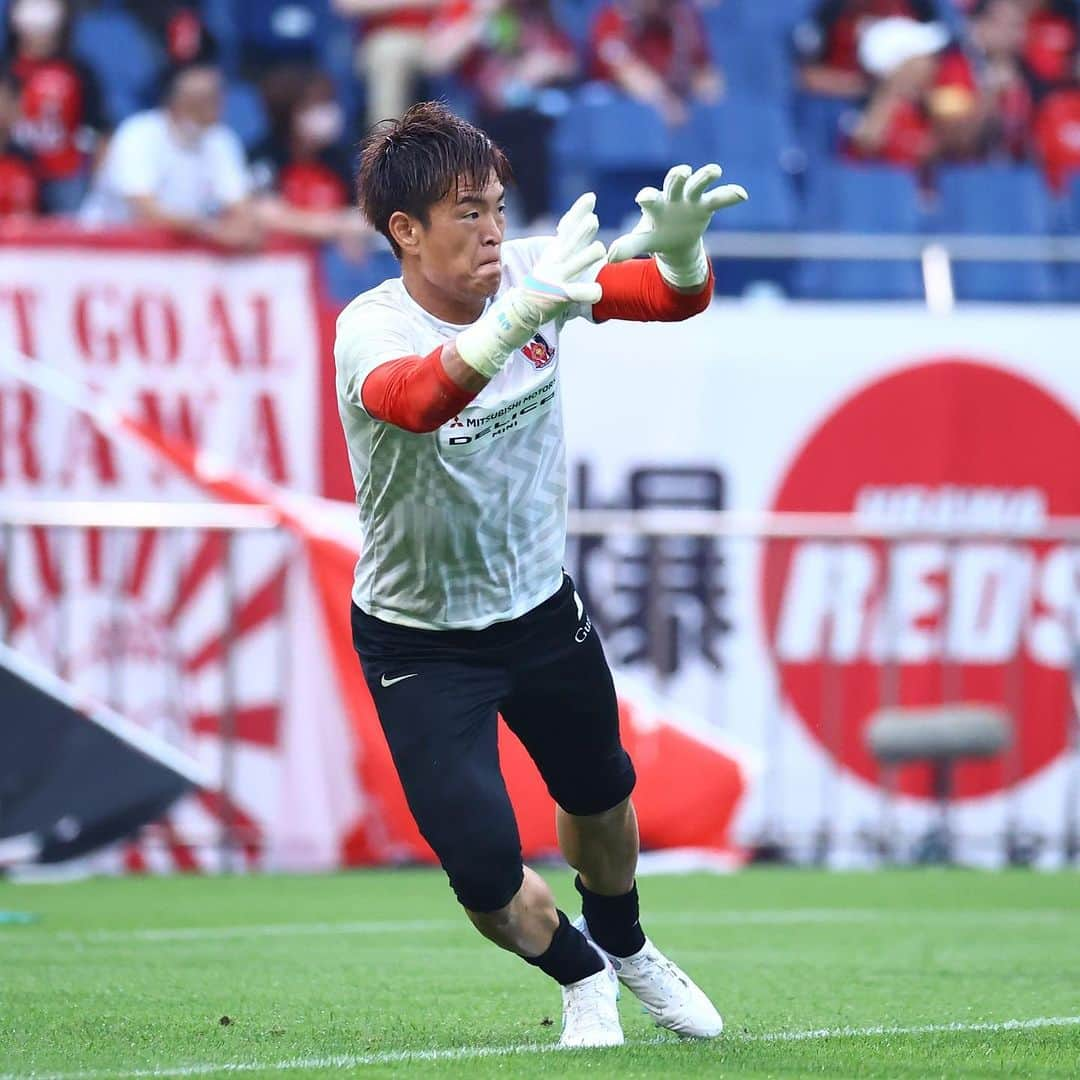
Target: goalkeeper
[[448, 390]]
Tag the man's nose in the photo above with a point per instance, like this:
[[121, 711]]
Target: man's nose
[[493, 232]]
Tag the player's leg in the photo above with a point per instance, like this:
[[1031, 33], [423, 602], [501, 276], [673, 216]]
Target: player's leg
[[439, 716], [564, 709], [603, 847]]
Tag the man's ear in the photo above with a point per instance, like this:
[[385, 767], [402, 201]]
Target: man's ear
[[404, 230]]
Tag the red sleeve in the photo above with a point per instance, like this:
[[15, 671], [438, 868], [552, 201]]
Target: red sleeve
[[414, 393], [635, 291]]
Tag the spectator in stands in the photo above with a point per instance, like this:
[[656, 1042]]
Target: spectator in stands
[[301, 173], [507, 52], [936, 103], [1051, 40], [60, 116], [177, 167], [18, 182], [827, 42], [392, 54], [1057, 136], [178, 26], [657, 52]]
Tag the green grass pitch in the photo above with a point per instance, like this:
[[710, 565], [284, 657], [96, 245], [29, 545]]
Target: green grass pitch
[[893, 974]]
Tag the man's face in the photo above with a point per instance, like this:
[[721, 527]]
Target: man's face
[[648, 9], [9, 105], [459, 250], [197, 97], [38, 24], [1002, 28]]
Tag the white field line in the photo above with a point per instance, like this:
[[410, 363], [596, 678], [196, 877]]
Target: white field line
[[468, 1053], [793, 917]]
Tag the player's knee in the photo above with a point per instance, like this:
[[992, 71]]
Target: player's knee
[[486, 881], [601, 789]]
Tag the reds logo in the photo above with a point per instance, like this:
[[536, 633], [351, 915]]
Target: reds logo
[[857, 624], [538, 352]]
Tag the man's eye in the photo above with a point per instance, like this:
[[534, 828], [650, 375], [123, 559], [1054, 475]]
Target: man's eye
[[473, 215], [502, 208]]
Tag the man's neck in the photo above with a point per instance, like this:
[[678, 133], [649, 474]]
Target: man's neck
[[435, 302], [186, 131]]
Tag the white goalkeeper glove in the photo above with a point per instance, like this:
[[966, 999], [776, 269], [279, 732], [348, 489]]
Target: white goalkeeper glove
[[673, 222], [563, 275]]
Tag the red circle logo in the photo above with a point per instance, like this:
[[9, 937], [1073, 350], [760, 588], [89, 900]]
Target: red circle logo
[[857, 625]]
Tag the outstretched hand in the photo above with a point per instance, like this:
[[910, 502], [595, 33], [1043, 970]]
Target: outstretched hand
[[674, 220], [565, 273]]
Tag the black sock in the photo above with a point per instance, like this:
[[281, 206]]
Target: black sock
[[613, 920], [569, 958]]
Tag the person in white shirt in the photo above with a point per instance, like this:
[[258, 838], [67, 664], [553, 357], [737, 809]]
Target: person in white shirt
[[178, 167], [448, 390]]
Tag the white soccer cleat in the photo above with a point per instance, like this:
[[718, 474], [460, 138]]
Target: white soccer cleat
[[669, 995], [591, 1012]]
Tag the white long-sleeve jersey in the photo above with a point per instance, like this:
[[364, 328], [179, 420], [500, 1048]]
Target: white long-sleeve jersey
[[465, 526]]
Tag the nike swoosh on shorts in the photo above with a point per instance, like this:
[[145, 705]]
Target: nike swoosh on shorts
[[390, 682]]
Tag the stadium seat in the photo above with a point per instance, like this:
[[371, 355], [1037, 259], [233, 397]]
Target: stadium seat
[[819, 125], [772, 202], [337, 47], [610, 144], [624, 134], [245, 113], [343, 278], [124, 57], [1070, 272], [274, 31], [219, 17], [576, 18], [1001, 200], [754, 64], [748, 130], [861, 199]]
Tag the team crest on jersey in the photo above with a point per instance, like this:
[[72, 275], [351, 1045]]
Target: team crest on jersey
[[538, 352]]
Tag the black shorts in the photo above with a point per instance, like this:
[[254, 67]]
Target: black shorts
[[438, 694]]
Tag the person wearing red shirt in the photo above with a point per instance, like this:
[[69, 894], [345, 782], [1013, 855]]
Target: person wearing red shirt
[[935, 103], [18, 184], [827, 42], [507, 52], [1051, 41], [656, 52], [178, 27], [393, 50], [300, 171], [60, 118], [1057, 137]]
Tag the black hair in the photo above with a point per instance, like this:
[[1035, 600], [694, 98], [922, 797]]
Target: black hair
[[410, 164]]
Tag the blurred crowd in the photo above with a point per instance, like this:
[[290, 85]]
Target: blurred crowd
[[232, 119], [954, 81]]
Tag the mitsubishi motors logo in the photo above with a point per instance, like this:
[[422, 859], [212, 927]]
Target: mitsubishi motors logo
[[951, 445]]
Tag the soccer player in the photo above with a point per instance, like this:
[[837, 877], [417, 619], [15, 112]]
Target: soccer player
[[448, 390]]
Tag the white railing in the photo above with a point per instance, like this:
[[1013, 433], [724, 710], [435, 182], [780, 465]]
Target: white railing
[[891, 247], [219, 517], [721, 524]]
